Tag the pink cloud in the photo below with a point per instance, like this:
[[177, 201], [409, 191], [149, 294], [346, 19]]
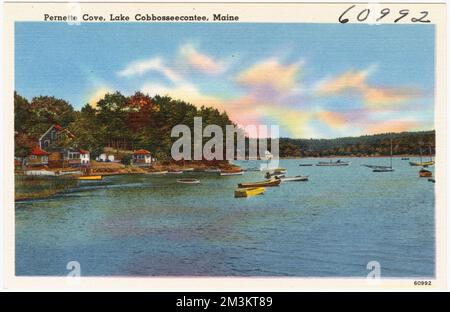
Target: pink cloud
[[200, 61]]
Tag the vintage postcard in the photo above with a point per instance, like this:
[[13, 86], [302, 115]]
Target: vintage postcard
[[215, 146]]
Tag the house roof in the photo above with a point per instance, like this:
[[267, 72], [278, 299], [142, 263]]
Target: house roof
[[141, 152], [83, 151], [37, 151], [59, 129]]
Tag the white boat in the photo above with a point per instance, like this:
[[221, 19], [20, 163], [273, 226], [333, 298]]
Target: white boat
[[157, 172], [175, 171], [40, 173], [75, 172], [296, 178], [188, 181], [333, 163], [232, 173]]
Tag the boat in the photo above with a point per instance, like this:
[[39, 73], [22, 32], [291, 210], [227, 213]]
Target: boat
[[296, 178], [272, 182], [305, 165], [376, 166], [250, 191], [432, 180], [385, 168], [405, 158], [90, 178], [187, 169], [424, 173], [252, 169], [231, 173], [269, 175], [212, 170], [275, 170], [188, 181], [157, 172], [39, 173], [175, 171], [422, 163], [333, 163]]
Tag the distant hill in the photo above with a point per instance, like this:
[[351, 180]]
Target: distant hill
[[404, 143]]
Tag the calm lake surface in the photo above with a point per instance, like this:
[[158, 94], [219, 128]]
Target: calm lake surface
[[142, 225]]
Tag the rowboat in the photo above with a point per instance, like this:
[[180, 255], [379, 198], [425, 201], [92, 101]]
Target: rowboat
[[231, 173], [188, 181], [432, 180], [273, 175], [405, 158], [175, 171], [90, 178], [247, 192], [252, 169], [296, 178], [376, 166], [424, 163], [333, 163], [273, 182], [157, 172], [424, 173], [275, 171], [383, 170], [305, 165]]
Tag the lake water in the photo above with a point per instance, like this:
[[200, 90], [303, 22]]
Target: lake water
[[330, 226]]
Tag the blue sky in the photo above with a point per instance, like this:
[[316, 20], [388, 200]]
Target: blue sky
[[314, 80]]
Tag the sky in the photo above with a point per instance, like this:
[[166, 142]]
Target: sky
[[313, 80]]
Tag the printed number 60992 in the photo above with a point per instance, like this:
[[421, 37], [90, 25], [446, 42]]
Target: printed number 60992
[[364, 14]]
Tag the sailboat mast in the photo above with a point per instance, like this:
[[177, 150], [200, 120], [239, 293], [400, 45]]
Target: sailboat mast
[[391, 153]]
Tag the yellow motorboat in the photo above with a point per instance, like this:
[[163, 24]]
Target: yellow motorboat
[[273, 182], [90, 178], [247, 192]]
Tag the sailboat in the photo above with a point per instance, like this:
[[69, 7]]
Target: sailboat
[[423, 163], [385, 169]]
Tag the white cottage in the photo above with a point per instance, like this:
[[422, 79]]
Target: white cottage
[[105, 157]]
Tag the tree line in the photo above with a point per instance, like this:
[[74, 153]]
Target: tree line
[[404, 143], [140, 121], [117, 121]]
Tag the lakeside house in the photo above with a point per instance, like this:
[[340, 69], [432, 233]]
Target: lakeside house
[[54, 156], [141, 158], [52, 134], [38, 157], [104, 157]]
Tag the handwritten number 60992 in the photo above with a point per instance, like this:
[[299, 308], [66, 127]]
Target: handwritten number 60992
[[364, 14]]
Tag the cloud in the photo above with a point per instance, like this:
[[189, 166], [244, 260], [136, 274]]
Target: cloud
[[200, 61], [355, 83], [393, 126], [98, 94], [184, 91], [271, 74], [142, 67], [332, 119]]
